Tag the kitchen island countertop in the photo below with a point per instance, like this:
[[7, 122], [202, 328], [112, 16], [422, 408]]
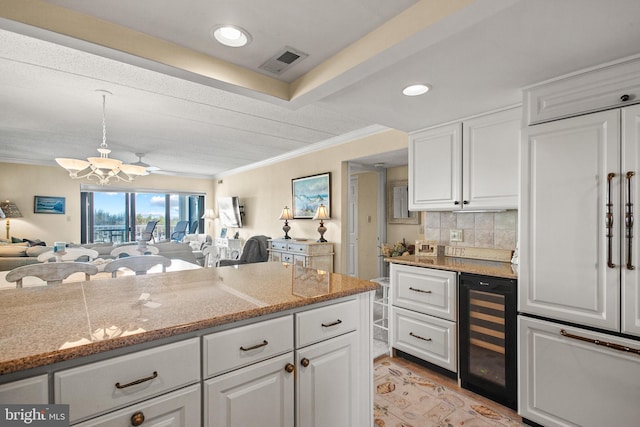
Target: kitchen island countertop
[[463, 265], [50, 324]]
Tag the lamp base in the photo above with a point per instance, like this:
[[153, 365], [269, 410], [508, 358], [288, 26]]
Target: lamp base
[[286, 229], [322, 229]]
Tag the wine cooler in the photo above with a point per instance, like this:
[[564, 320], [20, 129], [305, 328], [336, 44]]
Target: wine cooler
[[487, 330]]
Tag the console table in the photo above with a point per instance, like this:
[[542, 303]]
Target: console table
[[306, 253]]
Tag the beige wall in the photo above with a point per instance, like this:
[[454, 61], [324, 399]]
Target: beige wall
[[397, 232], [20, 183], [265, 191]]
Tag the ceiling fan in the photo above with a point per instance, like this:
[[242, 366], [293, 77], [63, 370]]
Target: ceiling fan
[[149, 168]]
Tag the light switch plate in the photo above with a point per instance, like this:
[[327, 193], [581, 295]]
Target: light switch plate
[[455, 235]]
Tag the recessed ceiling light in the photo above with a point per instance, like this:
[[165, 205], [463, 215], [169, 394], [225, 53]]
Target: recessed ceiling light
[[415, 90], [231, 35]]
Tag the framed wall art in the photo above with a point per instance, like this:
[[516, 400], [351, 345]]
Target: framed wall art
[[308, 193], [48, 205]]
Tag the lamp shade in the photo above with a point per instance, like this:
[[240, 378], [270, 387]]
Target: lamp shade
[[209, 214], [286, 213], [10, 210], [322, 213]]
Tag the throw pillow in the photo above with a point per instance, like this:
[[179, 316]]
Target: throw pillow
[[13, 250], [15, 240]]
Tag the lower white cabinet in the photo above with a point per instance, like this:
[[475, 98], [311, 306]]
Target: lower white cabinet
[[257, 395], [569, 377], [33, 390], [180, 408], [328, 392]]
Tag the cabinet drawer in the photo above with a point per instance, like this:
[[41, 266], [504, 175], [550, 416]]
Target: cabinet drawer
[[428, 338], [180, 408], [326, 322], [31, 390], [231, 349], [102, 386], [297, 248], [584, 92], [279, 245], [553, 365], [287, 258], [424, 290]]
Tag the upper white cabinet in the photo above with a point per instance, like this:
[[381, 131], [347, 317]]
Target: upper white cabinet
[[472, 164], [617, 84]]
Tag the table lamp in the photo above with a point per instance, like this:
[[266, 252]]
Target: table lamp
[[9, 210], [322, 213], [286, 215], [209, 214]]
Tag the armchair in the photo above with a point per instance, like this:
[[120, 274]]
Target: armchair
[[255, 250]]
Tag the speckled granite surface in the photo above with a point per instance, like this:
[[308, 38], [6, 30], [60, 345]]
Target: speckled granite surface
[[48, 324], [463, 265]]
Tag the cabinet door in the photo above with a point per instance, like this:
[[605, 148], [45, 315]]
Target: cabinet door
[[490, 158], [563, 240], [630, 245], [258, 395], [178, 409], [564, 381], [435, 168], [31, 390], [328, 389]]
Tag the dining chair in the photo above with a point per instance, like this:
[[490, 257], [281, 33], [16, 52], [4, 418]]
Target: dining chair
[[140, 264], [134, 250], [208, 252], [69, 254], [50, 272]]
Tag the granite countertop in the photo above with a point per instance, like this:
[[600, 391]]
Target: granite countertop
[[463, 265], [50, 324]]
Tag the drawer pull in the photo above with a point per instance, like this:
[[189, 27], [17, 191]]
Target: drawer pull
[[262, 344], [136, 382], [304, 362], [137, 419], [328, 325], [411, 288], [419, 337], [289, 368], [602, 343]]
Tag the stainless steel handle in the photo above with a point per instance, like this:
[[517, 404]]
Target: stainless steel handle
[[419, 337], [328, 325], [411, 288], [602, 343], [140, 381], [609, 222], [628, 223], [262, 344]]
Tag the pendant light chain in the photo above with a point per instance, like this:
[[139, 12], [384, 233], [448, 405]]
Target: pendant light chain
[[104, 124]]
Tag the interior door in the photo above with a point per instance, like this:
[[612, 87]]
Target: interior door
[[352, 227]]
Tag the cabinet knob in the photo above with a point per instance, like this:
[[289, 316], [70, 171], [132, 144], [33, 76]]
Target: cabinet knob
[[456, 202], [466, 202], [304, 362], [137, 419], [289, 367], [625, 98]]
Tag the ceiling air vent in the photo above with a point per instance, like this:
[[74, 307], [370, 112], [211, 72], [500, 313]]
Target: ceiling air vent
[[283, 60]]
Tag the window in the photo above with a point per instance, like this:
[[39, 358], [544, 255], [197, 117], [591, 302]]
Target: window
[[116, 216]]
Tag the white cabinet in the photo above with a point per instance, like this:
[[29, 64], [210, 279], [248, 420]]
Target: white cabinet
[[100, 387], [423, 314], [322, 378], [573, 180], [471, 164], [33, 390], [259, 395], [614, 85], [328, 386], [566, 379], [180, 408], [306, 253]]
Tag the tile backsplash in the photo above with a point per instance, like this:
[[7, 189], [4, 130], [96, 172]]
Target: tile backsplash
[[496, 230]]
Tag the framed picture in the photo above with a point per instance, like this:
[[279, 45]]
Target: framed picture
[[48, 205], [308, 193], [223, 232], [426, 248]]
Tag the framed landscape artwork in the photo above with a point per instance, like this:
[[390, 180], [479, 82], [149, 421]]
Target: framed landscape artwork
[[48, 205], [309, 192]]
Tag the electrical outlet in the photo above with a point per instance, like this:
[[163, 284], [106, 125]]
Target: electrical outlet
[[455, 235]]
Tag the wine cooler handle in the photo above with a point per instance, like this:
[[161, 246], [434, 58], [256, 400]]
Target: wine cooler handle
[[609, 222], [628, 223]]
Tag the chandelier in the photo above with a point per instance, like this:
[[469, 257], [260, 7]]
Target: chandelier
[[102, 169]]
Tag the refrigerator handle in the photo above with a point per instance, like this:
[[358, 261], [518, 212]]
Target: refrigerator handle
[[609, 222], [628, 221]]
